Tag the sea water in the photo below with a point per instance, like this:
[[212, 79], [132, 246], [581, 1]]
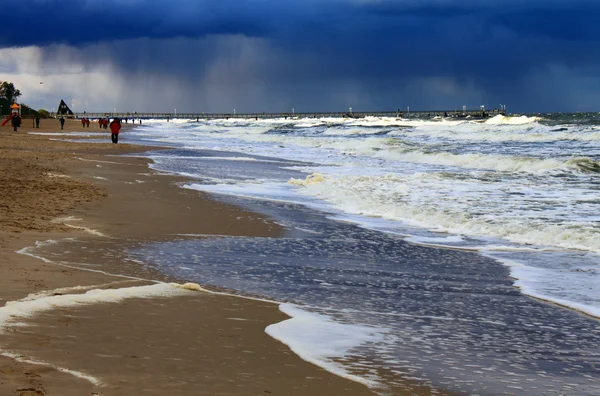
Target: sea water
[[510, 196]]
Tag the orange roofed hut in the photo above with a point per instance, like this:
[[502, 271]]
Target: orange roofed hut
[[15, 108]]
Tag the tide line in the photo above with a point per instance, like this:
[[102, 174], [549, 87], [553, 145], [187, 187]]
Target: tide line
[[13, 311], [19, 358]]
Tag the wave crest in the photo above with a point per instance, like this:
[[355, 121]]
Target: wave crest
[[310, 179], [585, 164], [511, 120]]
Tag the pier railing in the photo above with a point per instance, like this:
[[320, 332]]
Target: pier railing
[[207, 116]]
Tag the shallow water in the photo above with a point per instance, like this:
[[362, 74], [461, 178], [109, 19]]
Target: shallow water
[[521, 189], [450, 319], [515, 198]]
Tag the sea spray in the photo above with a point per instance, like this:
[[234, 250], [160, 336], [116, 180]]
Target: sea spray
[[310, 179]]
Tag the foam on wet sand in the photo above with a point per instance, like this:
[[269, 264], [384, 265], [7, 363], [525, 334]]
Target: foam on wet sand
[[90, 321]]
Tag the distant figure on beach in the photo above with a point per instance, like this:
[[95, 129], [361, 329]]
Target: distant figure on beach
[[100, 123], [62, 122], [87, 122], [16, 122], [37, 122], [83, 122], [115, 127]]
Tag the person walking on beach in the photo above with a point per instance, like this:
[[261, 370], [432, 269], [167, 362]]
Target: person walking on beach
[[62, 122], [87, 122], [16, 122], [37, 122], [115, 127]]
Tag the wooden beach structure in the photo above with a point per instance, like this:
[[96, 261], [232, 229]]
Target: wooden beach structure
[[464, 113]]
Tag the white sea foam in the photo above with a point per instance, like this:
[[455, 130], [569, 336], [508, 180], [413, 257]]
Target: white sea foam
[[521, 182], [439, 241], [23, 359], [69, 290], [104, 162], [519, 120], [392, 149], [213, 158], [310, 179], [569, 287], [470, 132], [410, 201], [495, 162], [319, 340], [275, 192], [57, 175], [15, 311], [309, 124], [67, 222], [244, 159], [345, 131]]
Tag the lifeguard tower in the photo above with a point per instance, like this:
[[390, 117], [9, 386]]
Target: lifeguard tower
[[15, 109]]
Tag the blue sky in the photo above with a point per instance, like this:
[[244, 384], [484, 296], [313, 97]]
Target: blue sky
[[267, 55]]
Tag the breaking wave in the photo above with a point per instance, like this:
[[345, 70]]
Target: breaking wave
[[401, 199]]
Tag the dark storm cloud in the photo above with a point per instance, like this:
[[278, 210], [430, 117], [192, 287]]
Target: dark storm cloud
[[76, 22], [371, 49]]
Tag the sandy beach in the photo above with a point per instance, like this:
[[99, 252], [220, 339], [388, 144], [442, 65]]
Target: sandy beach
[[118, 341], [118, 278]]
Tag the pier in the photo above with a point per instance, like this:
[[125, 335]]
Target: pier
[[479, 113]]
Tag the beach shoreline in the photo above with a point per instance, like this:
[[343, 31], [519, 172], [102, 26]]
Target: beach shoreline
[[119, 200], [100, 231]]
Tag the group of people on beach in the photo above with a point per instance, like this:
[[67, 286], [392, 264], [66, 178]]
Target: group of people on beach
[[115, 127]]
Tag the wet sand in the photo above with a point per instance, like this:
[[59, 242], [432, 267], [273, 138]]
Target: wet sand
[[191, 344], [461, 320]]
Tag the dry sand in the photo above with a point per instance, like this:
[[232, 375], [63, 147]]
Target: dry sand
[[190, 345]]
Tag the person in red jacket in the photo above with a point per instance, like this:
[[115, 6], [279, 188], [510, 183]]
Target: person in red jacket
[[115, 127]]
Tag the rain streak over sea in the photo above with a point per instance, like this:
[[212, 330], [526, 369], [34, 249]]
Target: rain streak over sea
[[456, 254]]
